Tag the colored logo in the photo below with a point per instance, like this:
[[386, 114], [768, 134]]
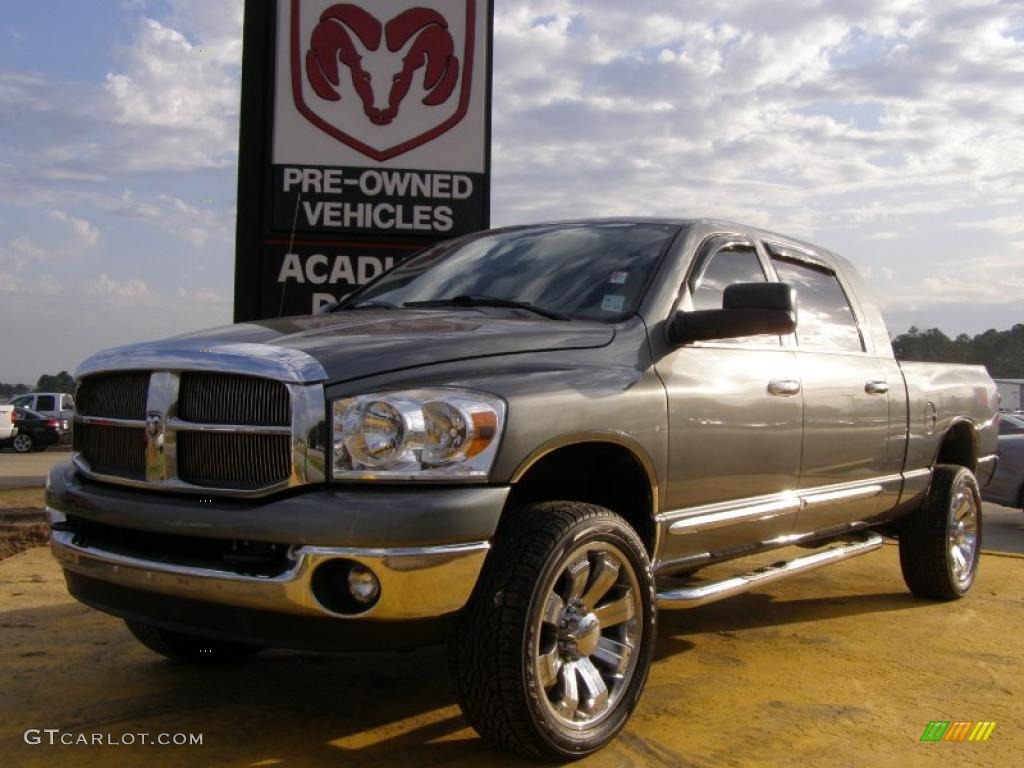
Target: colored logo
[[958, 730], [383, 84]]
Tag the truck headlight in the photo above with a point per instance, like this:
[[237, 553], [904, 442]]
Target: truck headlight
[[420, 434]]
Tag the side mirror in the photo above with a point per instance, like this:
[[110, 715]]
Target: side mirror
[[748, 309]]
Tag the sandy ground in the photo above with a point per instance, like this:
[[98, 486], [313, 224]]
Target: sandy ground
[[839, 667]]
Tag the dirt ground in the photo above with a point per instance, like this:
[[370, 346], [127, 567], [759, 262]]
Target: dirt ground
[[839, 667], [20, 529]]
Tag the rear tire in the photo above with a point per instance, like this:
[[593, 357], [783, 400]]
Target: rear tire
[[940, 543], [189, 648], [23, 443], [551, 654]]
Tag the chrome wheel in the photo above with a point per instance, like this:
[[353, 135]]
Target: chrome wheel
[[589, 624], [962, 535], [22, 443]]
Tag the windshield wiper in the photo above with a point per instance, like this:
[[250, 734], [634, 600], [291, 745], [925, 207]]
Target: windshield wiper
[[343, 307], [488, 301]]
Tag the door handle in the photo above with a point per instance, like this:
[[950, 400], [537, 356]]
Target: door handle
[[784, 387], [876, 387]]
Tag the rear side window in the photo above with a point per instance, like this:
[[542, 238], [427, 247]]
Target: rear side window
[[66, 403], [46, 403], [825, 318]]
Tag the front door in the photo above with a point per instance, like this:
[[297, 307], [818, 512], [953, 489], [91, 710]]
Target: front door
[[735, 423]]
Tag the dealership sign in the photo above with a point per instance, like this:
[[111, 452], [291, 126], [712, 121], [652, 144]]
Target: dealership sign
[[365, 130]]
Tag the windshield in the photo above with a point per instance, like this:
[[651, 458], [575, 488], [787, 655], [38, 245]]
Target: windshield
[[594, 271]]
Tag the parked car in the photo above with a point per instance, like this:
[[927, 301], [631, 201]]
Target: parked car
[[55, 405], [527, 442], [32, 431], [1007, 486], [1011, 424]]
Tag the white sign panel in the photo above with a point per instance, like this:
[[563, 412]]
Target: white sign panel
[[385, 84]]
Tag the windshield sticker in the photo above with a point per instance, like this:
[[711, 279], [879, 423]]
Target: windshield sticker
[[619, 278], [613, 303]]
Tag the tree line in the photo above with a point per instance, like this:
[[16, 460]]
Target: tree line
[[60, 382], [1002, 352]]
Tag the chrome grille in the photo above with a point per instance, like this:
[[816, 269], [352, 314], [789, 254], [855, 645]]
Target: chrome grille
[[114, 396], [112, 450], [201, 431], [221, 398], [232, 460]]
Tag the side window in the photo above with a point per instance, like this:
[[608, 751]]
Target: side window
[[67, 403], [22, 402], [825, 318], [726, 267], [46, 403]]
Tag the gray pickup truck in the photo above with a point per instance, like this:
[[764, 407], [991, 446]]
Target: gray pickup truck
[[523, 442]]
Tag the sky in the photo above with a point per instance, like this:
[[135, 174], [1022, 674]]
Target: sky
[[891, 131]]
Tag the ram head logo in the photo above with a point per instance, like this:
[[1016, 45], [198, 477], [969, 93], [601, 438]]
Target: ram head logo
[[383, 59], [384, 78]]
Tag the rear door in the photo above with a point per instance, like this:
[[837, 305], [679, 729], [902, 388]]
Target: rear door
[[735, 419], [845, 395]]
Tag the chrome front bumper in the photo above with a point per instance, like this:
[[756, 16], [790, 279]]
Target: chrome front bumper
[[415, 583]]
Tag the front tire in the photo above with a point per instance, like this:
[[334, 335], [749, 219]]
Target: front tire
[[551, 654], [940, 543], [189, 648]]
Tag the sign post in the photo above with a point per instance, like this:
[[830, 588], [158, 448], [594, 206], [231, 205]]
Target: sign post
[[365, 136]]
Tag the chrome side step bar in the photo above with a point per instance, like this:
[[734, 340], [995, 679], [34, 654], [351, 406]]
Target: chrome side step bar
[[702, 594]]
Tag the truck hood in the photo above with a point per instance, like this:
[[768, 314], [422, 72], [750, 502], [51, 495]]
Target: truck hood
[[352, 345]]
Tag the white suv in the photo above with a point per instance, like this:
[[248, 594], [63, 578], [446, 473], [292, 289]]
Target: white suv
[[7, 428]]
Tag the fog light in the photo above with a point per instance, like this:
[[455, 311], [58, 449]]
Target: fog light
[[362, 584]]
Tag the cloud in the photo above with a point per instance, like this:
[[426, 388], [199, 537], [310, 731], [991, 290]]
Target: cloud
[[177, 97], [202, 296], [22, 253], [86, 233], [9, 283], [886, 129], [47, 285], [131, 289], [171, 215], [746, 110], [29, 249]]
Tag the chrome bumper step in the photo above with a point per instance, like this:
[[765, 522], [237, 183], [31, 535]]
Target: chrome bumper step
[[692, 596]]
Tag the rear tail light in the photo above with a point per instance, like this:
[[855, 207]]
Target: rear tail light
[[53, 423], [14, 416]]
